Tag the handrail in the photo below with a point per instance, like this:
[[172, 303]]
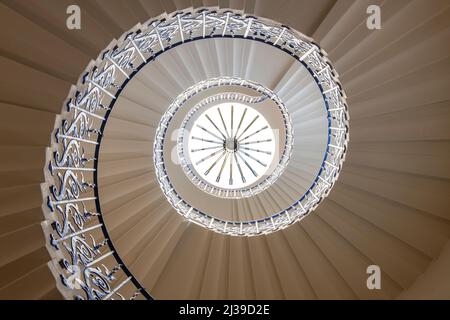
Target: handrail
[[84, 259]]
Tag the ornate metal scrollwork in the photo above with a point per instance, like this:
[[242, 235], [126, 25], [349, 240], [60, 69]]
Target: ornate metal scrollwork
[[78, 240]]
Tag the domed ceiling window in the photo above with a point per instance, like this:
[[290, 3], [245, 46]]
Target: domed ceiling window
[[233, 148]]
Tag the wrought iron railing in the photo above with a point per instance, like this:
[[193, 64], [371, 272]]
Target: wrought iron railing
[[84, 259], [313, 58]]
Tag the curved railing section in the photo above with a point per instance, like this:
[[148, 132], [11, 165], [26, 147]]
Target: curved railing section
[[229, 24], [84, 260]]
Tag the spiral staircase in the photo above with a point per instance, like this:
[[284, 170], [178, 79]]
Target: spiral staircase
[[386, 205]]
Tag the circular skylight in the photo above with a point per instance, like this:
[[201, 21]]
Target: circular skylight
[[231, 145]]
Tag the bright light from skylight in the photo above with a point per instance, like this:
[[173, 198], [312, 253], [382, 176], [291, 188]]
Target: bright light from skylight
[[231, 145]]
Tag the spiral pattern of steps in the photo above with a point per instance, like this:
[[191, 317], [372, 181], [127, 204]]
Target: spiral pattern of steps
[[390, 206]]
